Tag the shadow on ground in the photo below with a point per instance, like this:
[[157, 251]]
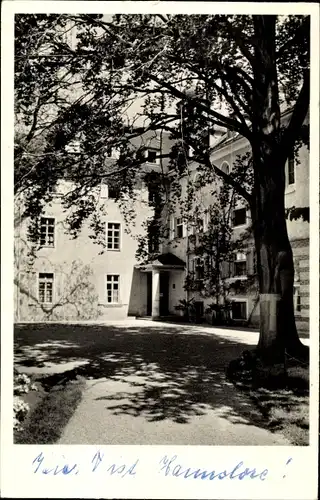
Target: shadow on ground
[[169, 372]]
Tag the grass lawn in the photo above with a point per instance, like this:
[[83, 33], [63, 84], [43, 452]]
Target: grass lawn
[[285, 412], [49, 413]]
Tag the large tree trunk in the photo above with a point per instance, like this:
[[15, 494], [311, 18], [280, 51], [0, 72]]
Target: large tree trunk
[[278, 333]]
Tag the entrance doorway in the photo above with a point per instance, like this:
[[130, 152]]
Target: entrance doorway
[[149, 294], [164, 294]]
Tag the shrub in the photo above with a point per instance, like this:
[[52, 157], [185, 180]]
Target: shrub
[[188, 308], [20, 411], [22, 384], [220, 313]]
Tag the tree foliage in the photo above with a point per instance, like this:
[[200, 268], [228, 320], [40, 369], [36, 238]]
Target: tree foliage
[[81, 89], [190, 76]]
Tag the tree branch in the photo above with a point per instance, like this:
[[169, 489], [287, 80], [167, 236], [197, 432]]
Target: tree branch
[[240, 40], [240, 190], [228, 122], [300, 33], [297, 118]]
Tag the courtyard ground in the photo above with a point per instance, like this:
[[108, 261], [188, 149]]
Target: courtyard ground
[[151, 383]]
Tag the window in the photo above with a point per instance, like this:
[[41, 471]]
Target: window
[[45, 290], [239, 309], [113, 236], [112, 152], [199, 309], [206, 220], [297, 298], [53, 189], [178, 227], [153, 237], [73, 147], [154, 195], [109, 191], [113, 288], [70, 36], [240, 264], [225, 167], [47, 232], [291, 170], [197, 181], [113, 192], [104, 191], [198, 226], [153, 243], [239, 217], [151, 195], [151, 155], [171, 227], [198, 268]]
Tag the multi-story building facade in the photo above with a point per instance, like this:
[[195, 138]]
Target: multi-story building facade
[[71, 279], [239, 275]]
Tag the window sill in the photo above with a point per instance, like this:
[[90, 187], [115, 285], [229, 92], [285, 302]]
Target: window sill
[[176, 238], [46, 305], [55, 195], [153, 163], [236, 278], [290, 189], [113, 249], [241, 226], [111, 305]]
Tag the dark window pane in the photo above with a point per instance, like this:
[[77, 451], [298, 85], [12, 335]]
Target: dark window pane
[[291, 176], [151, 156], [113, 192], [239, 217], [47, 276], [179, 231], [47, 231], [240, 268], [239, 310], [298, 303]]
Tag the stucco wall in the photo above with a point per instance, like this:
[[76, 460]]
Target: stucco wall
[[58, 260], [296, 195], [176, 290]]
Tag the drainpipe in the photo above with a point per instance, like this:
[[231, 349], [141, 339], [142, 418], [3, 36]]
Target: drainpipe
[[18, 265]]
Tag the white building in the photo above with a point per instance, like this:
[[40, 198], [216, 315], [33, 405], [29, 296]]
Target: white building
[[114, 284]]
